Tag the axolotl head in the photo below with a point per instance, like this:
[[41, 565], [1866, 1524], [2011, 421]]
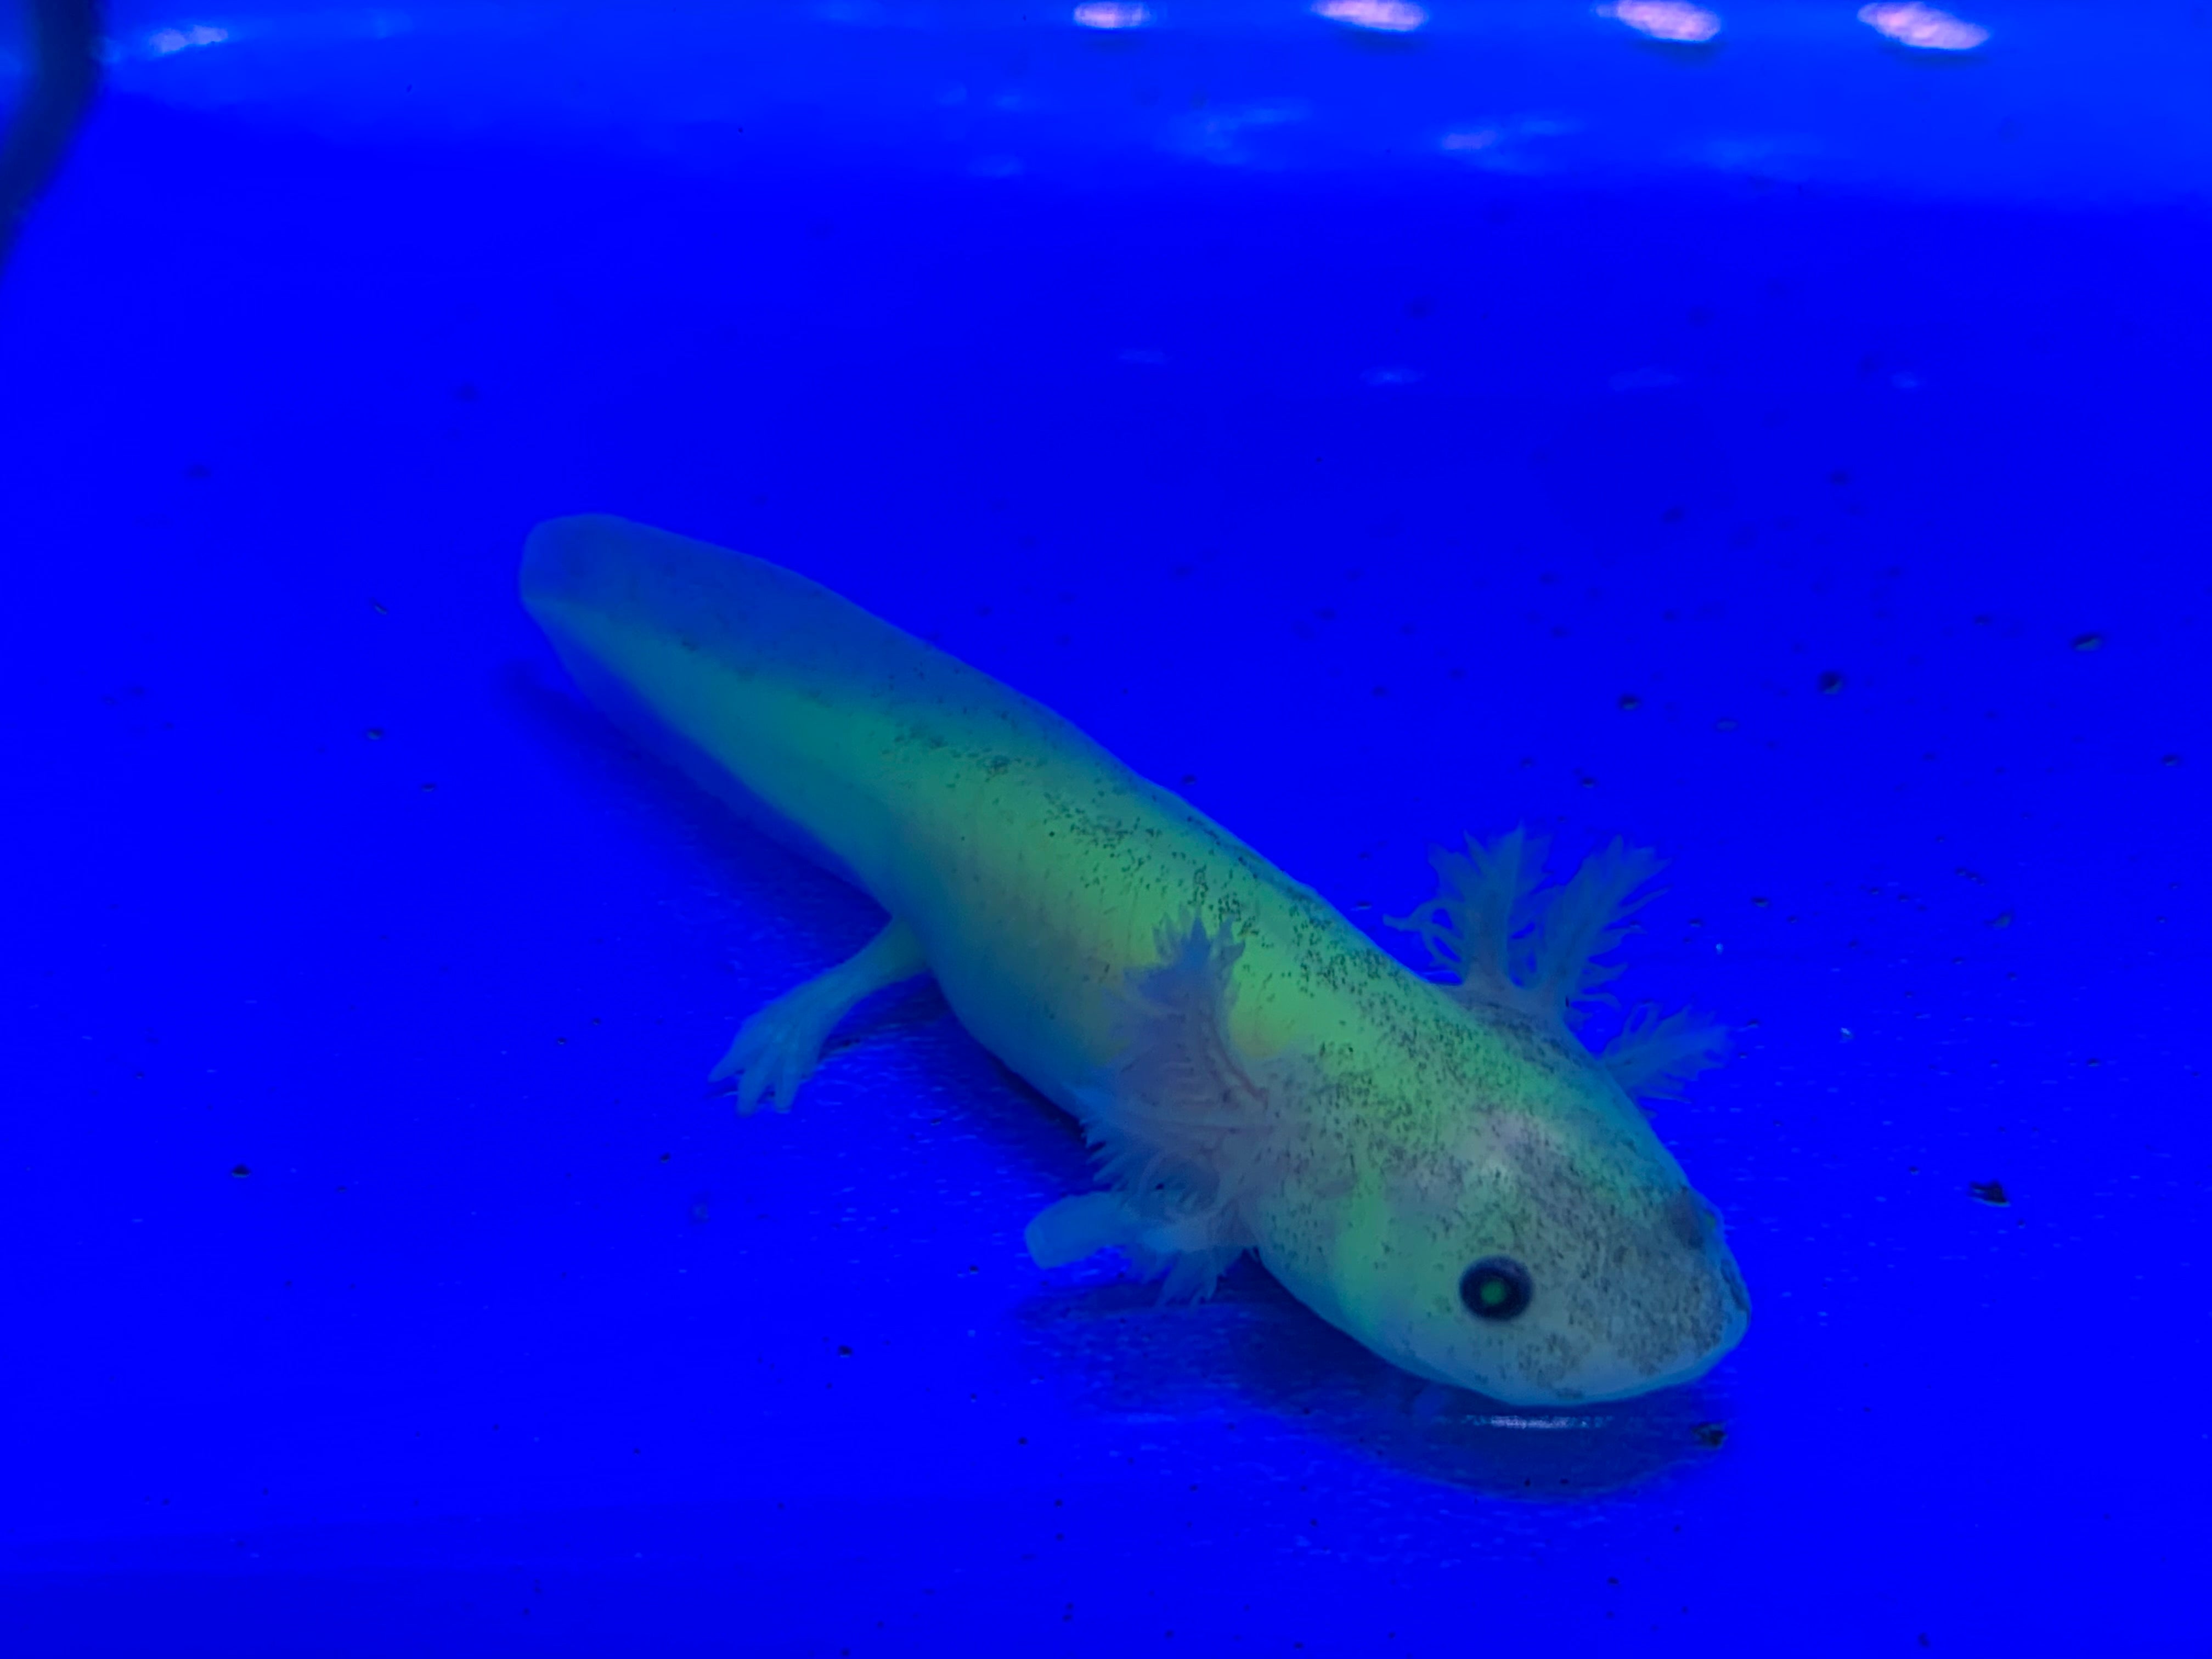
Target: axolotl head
[[1536, 1243]]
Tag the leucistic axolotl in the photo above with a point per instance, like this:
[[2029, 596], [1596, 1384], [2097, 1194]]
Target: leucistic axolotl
[[1444, 1170]]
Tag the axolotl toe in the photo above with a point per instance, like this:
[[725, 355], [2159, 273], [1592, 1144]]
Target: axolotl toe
[[1441, 1167]]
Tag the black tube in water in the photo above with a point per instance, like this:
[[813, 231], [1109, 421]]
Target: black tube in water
[[65, 38]]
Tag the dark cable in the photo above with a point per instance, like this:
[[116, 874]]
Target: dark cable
[[64, 35]]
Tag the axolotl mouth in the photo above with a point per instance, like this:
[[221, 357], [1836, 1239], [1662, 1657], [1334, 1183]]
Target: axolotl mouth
[[1590, 1355], [1666, 1305], [1556, 1279], [1659, 1305], [1686, 1334]]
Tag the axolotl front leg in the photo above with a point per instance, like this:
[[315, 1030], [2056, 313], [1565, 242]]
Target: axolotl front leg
[[779, 1046]]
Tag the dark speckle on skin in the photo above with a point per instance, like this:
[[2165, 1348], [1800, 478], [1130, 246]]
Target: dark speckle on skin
[[1685, 1219]]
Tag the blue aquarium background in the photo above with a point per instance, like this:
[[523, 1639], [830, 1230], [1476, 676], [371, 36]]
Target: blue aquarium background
[[1788, 452]]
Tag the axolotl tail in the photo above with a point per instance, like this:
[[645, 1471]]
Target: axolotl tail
[[780, 696]]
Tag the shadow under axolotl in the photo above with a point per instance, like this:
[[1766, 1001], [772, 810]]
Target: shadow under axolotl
[[1254, 1348]]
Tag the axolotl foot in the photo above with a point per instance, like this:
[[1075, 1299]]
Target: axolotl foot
[[778, 1048]]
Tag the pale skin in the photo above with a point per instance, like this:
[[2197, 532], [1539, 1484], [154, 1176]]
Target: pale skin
[[1444, 1172]]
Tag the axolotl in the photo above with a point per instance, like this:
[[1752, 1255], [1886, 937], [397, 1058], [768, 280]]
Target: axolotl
[[1436, 1164]]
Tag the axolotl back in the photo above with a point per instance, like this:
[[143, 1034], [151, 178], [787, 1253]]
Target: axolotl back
[[1444, 1170]]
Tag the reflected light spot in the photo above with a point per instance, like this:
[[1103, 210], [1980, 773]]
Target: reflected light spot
[[1392, 16], [1481, 139], [1110, 14], [165, 41], [1916, 25], [1665, 20], [1219, 137]]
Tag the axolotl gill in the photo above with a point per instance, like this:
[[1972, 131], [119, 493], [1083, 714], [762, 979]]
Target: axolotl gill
[[1437, 1166]]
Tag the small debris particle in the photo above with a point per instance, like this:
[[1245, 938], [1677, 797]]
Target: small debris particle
[[1710, 1434], [2088, 641], [1831, 683], [374, 734], [240, 1171], [1991, 1193], [1630, 702], [844, 1351], [1724, 725], [2002, 919]]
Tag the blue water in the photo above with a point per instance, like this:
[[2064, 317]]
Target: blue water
[[1790, 458]]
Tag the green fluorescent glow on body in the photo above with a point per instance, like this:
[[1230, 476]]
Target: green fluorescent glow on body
[[1255, 1072]]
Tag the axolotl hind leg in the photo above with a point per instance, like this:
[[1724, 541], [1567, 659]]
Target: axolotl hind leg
[[778, 1048]]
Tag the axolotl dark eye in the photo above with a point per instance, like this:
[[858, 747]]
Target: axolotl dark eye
[[1496, 1287]]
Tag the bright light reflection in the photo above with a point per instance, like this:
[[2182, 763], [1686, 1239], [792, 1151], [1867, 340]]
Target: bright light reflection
[[1392, 16], [1111, 15], [1916, 25], [1665, 20], [165, 41]]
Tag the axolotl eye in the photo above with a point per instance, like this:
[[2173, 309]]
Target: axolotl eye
[[1496, 1287]]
